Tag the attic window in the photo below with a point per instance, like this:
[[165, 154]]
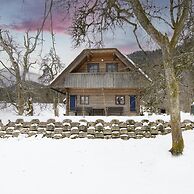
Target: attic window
[[93, 68], [111, 67]]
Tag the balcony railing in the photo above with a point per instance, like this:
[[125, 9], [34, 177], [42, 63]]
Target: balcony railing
[[104, 80]]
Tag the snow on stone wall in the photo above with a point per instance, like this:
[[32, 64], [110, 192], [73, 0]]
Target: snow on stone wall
[[91, 130]]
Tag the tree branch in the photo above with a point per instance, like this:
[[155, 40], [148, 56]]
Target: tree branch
[[139, 12]]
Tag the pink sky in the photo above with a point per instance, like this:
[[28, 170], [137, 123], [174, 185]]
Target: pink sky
[[24, 15]]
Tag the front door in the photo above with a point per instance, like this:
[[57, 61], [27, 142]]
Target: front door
[[72, 102]]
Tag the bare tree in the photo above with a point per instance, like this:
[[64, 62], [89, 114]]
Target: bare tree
[[19, 57], [92, 18], [19, 62], [51, 65]]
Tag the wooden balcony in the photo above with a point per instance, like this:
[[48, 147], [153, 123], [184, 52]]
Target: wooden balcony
[[104, 80]]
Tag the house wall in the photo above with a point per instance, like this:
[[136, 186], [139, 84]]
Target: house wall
[[102, 98]]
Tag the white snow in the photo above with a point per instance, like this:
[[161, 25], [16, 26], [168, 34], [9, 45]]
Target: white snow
[[82, 166], [39, 165], [45, 111]]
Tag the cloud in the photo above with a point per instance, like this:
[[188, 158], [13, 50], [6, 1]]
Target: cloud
[[28, 16], [59, 25]]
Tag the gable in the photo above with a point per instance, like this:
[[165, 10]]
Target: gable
[[101, 57]]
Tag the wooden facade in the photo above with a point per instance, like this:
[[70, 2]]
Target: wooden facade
[[101, 82]]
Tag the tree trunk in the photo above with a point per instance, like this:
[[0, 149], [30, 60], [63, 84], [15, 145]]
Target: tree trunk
[[20, 98], [174, 102]]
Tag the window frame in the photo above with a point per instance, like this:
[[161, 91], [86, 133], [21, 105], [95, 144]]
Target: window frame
[[85, 102], [119, 102], [115, 65], [93, 64]]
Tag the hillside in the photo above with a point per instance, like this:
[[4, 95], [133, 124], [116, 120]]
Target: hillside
[[155, 96]]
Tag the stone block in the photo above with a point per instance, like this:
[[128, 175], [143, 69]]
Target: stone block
[[35, 121], [34, 127], [50, 127], [82, 134], [130, 128], [41, 130], [91, 130], [51, 121], [107, 136], [24, 130], [123, 130], [99, 135], [32, 133], [130, 122], [75, 124], [74, 136], [159, 121], [18, 126], [66, 127], [57, 136], [115, 128], [90, 136], [115, 134], [9, 130], [19, 121], [131, 134], [145, 121], [160, 127], [66, 134], [123, 125], [154, 132], [58, 130], [139, 136], [99, 127], [2, 133], [83, 128], [124, 136], [138, 124], [74, 130], [147, 134], [91, 124], [99, 121], [107, 130], [16, 133], [67, 121], [115, 121]]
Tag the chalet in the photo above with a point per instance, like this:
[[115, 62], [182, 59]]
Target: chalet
[[101, 82]]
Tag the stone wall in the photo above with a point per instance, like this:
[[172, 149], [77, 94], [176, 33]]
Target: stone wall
[[91, 130]]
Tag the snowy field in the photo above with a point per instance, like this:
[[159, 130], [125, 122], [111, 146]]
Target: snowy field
[[82, 166], [45, 111]]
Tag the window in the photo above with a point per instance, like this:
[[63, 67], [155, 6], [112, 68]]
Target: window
[[111, 67], [93, 68], [120, 100], [84, 100], [132, 103]]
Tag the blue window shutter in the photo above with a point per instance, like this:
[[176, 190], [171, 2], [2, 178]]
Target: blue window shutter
[[132, 103], [72, 102]]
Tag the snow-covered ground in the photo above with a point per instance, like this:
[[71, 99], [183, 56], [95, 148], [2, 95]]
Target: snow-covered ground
[[82, 166], [38, 165], [45, 111]]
